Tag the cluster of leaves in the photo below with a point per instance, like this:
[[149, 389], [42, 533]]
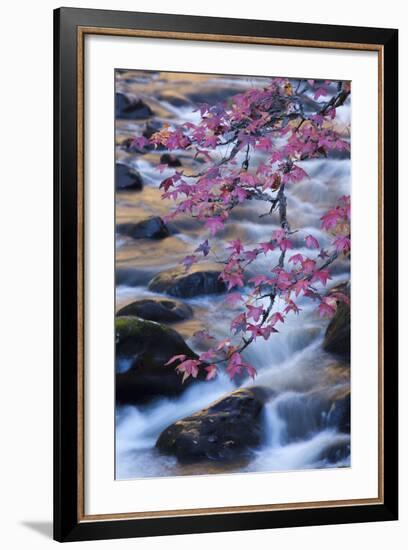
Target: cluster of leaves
[[288, 122]]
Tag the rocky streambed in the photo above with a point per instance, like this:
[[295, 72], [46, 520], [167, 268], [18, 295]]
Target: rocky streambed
[[296, 414]]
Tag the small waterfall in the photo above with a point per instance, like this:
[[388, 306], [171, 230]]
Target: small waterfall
[[137, 428]]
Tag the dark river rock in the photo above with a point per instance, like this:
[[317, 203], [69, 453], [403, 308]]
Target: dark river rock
[[337, 337], [127, 179], [200, 279], [170, 160], [152, 228], [148, 346], [229, 428], [156, 309], [306, 414], [130, 107], [339, 415], [335, 452]]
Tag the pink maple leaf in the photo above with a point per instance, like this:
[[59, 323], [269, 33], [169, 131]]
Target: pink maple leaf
[[267, 247], [330, 218], [295, 175], [323, 275], [211, 372], [276, 317], [264, 144], [188, 368], [251, 255], [174, 359], [166, 184], [233, 298], [236, 246], [311, 242], [278, 235], [340, 297], [240, 194], [267, 331], [342, 244], [285, 244], [189, 261], [249, 179], [250, 370], [322, 91], [300, 286], [296, 259], [210, 141], [308, 265], [223, 344], [255, 312], [255, 331], [283, 278], [327, 308], [258, 280], [140, 142], [234, 366], [291, 307], [232, 279], [204, 247], [207, 355], [239, 322], [214, 225]]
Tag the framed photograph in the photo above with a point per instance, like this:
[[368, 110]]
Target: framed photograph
[[225, 274]]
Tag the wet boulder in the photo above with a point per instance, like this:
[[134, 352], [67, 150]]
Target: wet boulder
[[147, 346], [156, 309], [339, 414], [130, 107], [308, 413], [151, 228], [200, 279], [230, 428], [127, 179], [336, 451], [170, 160], [337, 337]]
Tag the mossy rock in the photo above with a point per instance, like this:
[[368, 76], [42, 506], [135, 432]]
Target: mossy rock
[[159, 310], [147, 346]]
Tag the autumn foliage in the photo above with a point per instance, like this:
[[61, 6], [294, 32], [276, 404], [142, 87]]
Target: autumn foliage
[[288, 122]]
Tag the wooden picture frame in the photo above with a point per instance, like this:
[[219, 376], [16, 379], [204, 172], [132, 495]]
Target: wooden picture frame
[[70, 520]]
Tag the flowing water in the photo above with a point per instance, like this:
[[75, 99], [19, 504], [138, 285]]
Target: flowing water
[[291, 362]]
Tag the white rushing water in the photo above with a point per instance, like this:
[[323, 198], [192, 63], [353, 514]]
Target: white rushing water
[[291, 362]]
